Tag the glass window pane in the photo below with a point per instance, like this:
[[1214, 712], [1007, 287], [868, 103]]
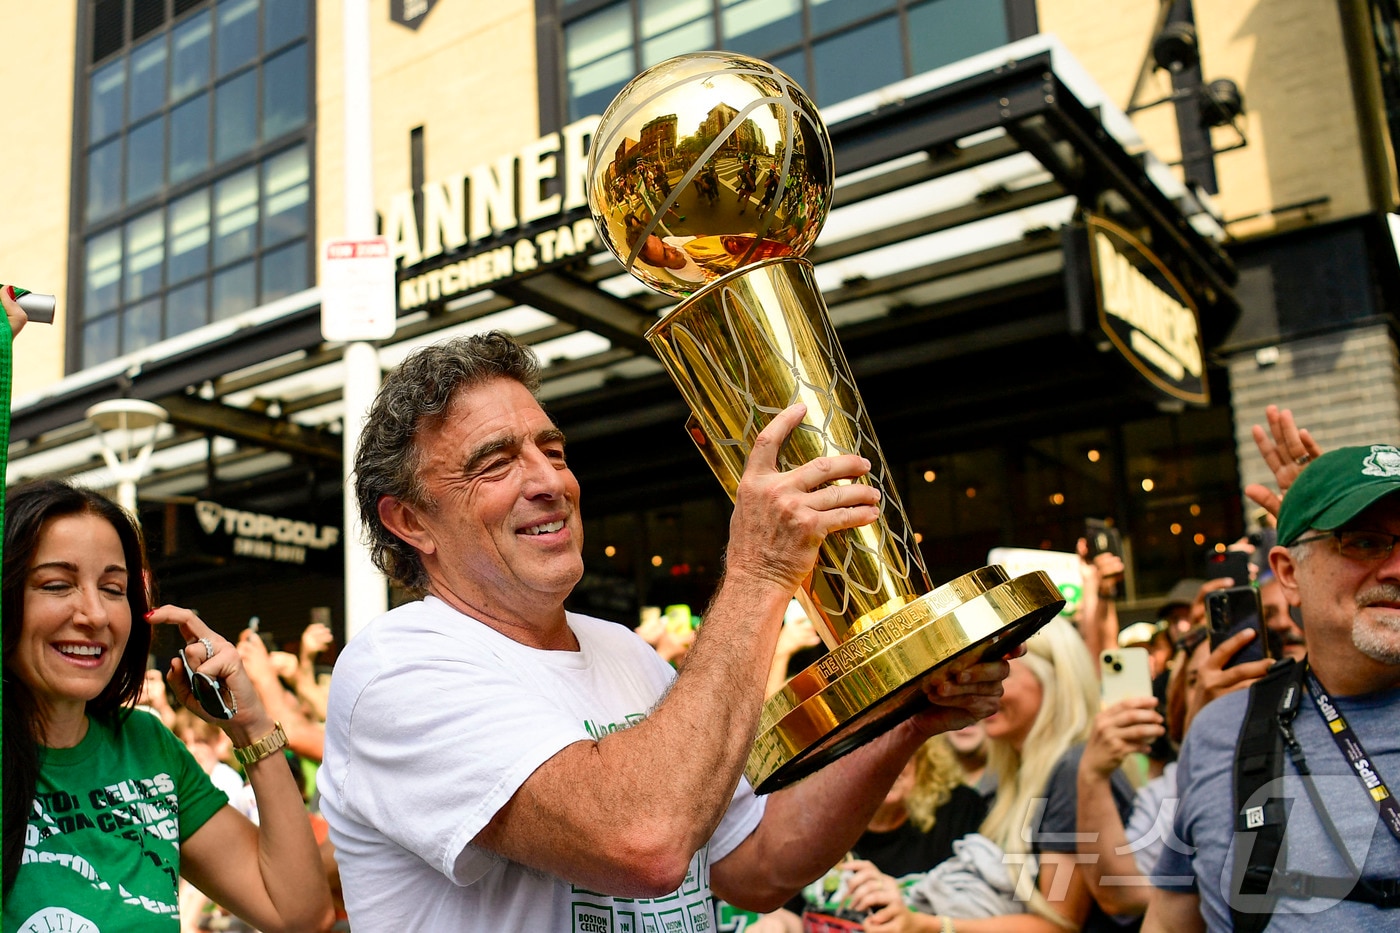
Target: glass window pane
[[283, 21], [189, 139], [672, 27], [950, 30], [189, 236], [858, 61], [593, 87], [286, 195], [284, 271], [598, 36], [233, 291], [829, 14], [106, 98], [189, 69], [237, 41], [148, 78], [235, 116], [661, 16], [100, 341], [187, 308], [756, 27], [794, 65], [235, 216], [104, 182], [145, 160], [598, 55], [284, 92], [145, 255], [141, 325], [102, 273]]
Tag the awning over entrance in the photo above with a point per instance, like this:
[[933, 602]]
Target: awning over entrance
[[942, 263]]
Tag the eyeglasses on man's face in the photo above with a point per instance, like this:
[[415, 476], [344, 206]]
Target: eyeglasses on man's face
[[1358, 545]]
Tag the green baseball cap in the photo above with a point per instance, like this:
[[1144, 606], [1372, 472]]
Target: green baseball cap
[[1337, 487]]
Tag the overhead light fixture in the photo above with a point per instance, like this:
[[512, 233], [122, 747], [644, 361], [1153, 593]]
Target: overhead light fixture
[[126, 429]]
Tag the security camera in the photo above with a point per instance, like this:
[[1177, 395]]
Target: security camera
[[1174, 48]]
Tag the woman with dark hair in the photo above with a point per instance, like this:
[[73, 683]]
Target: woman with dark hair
[[104, 809]]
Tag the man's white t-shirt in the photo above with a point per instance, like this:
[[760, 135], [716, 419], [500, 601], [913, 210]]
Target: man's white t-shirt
[[434, 722]]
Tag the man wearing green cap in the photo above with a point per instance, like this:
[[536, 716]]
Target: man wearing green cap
[[1337, 717]]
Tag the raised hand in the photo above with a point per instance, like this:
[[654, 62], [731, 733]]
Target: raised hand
[[1286, 448]]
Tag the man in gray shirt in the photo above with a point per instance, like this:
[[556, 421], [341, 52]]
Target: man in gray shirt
[[1337, 560]]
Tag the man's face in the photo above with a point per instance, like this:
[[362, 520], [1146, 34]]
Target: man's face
[[501, 536], [1348, 603], [660, 253]]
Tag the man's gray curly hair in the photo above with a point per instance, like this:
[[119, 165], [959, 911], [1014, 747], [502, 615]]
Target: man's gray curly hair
[[414, 398]]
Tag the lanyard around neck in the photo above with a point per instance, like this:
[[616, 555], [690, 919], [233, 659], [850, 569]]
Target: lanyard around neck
[[1362, 765]]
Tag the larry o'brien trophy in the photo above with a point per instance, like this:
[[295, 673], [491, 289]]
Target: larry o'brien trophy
[[710, 176]]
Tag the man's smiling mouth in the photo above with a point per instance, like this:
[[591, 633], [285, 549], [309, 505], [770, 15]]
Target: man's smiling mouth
[[546, 528]]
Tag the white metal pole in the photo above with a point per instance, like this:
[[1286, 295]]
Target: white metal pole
[[366, 593], [126, 497]]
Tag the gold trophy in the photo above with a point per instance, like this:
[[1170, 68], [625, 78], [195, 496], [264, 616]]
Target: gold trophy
[[710, 175]]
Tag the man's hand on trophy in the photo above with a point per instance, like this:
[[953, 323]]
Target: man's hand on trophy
[[963, 692], [782, 516]]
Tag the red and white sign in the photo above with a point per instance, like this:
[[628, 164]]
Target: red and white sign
[[357, 290]]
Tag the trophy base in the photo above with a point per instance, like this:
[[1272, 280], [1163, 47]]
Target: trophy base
[[873, 680]]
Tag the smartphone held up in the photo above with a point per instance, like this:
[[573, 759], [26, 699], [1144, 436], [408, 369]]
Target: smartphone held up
[[1124, 673], [1233, 610]]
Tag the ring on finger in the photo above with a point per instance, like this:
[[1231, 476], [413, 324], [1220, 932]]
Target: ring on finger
[[1303, 460], [208, 648]]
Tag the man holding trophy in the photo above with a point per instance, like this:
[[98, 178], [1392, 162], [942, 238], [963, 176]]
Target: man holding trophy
[[495, 762]]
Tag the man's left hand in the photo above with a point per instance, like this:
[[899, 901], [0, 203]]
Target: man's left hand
[[964, 692]]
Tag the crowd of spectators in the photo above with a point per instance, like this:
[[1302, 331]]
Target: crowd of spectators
[[292, 681], [1050, 815]]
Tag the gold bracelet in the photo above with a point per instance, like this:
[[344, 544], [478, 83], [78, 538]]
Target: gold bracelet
[[274, 741], [947, 925]]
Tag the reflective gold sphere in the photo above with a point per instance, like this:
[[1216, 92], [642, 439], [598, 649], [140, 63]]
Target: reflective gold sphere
[[705, 163]]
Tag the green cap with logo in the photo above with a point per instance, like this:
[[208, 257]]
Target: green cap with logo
[[1337, 487]]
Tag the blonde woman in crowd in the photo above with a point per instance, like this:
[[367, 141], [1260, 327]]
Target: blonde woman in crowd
[[1034, 745], [927, 809]]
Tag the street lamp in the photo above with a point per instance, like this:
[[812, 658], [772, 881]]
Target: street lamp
[[126, 428]]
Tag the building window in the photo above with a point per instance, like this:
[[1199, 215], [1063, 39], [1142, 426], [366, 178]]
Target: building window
[[836, 49], [196, 119]]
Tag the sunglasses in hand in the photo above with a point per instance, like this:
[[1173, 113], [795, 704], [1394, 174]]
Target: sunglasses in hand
[[207, 691]]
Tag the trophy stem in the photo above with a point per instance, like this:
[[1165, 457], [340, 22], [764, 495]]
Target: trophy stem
[[744, 348]]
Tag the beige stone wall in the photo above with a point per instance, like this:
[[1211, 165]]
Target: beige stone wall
[[1289, 59], [36, 72], [1343, 387], [467, 75]]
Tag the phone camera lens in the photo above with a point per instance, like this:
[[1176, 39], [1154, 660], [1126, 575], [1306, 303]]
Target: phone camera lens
[[1117, 668]]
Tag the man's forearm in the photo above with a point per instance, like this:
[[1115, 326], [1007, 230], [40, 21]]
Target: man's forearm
[[1097, 822], [626, 814], [811, 825]]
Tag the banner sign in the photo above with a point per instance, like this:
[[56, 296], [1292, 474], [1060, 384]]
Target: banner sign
[[1062, 567], [1141, 308], [516, 215], [240, 533]]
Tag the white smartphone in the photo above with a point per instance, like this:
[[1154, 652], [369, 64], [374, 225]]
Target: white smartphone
[[1123, 673]]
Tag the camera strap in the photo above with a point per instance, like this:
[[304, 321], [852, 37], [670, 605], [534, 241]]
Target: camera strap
[[1260, 855]]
